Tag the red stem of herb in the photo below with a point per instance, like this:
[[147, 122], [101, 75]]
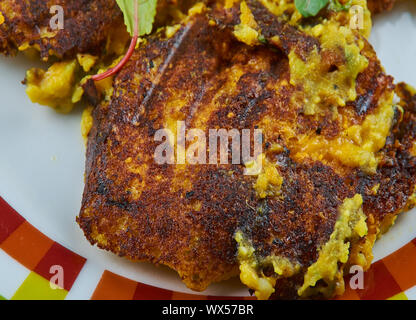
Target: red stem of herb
[[129, 53]]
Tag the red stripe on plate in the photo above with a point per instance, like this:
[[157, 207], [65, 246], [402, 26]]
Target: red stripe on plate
[[146, 292], [10, 220], [379, 284], [59, 259], [402, 266]]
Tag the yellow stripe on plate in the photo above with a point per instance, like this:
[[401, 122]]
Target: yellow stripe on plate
[[399, 296], [36, 287]]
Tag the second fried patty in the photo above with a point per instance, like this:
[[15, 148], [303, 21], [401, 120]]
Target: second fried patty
[[87, 25]]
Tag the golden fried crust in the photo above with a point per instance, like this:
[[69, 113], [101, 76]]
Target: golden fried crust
[[185, 216], [163, 225], [87, 24], [378, 6]]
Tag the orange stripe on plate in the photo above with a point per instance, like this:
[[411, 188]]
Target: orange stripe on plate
[[27, 245], [402, 266], [114, 287]]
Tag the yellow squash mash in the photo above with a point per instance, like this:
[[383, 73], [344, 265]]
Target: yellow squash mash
[[269, 180], [54, 87], [350, 224], [246, 31], [334, 87], [262, 285], [86, 122]]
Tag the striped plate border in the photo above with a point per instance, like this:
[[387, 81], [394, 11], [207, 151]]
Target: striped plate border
[[393, 277]]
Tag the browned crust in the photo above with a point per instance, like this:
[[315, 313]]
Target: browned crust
[[87, 24], [163, 225], [378, 6]]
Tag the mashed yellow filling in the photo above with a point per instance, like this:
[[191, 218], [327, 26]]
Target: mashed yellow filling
[[246, 31], [170, 31], [283, 9], [269, 180], [357, 145], [250, 265], [86, 122], [60, 86], [86, 61], [197, 8], [351, 224], [320, 85], [229, 3], [54, 87]]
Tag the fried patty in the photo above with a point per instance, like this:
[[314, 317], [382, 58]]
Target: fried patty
[[87, 25], [378, 6], [319, 164]]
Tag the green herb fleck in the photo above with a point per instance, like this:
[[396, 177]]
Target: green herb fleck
[[310, 8], [335, 5], [262, 39]]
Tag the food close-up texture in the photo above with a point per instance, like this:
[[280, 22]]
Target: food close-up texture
[[338, 160]]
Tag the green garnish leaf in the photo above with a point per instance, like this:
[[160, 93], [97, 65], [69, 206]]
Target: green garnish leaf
[[310, 8], [147, 13]]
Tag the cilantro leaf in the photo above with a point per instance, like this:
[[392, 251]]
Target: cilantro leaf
[[310, 8], [147, 12]]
